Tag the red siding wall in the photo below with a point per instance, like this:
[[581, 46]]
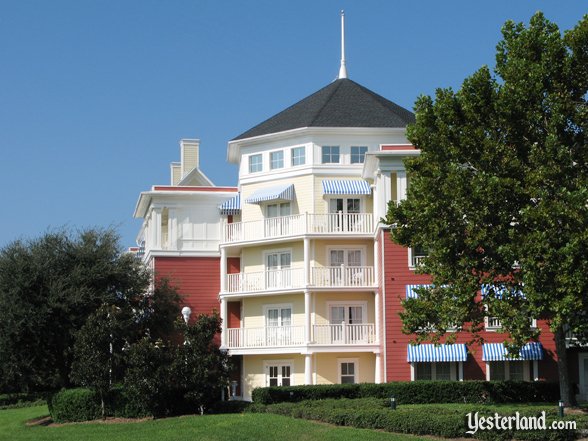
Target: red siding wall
[[196, 278], [396, 277], [233, 314]]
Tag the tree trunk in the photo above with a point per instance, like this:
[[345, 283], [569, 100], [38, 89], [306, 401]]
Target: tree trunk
[[102, 404], [565, 391]]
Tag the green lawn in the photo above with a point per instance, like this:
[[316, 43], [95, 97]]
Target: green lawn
[[229, 427]]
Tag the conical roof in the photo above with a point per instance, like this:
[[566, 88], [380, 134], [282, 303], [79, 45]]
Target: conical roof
[[343, 103]]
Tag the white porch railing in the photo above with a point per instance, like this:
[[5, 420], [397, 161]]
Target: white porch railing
[[269, 336], [298, 224], [266, 280], [344, 334], [340, 276]]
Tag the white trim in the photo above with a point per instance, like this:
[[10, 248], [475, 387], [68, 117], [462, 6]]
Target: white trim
[[355, 361]]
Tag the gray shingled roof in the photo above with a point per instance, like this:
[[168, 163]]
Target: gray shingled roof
[[343, 103]]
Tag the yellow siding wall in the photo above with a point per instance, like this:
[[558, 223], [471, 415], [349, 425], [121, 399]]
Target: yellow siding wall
[[253, 309], [254, 374], [326, 367], [253, 258], [321, 301], [302, 202]]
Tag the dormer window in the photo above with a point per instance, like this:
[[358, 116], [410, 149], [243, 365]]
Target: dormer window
[[255, 163], [358, 154], [330, 154], [277, 160]]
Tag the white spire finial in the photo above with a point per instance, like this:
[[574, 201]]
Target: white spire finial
[[343, 68]]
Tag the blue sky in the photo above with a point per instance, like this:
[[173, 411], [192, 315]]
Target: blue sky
[[95, 95]]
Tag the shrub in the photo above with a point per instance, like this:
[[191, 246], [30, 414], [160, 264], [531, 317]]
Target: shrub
[[74, 405], [418, 392], [437, 420]]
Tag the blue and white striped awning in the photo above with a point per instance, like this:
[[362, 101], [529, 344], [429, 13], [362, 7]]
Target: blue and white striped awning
[[410, 290], [499, 291], [284, 192], [433, 353], [346, 187], [232, 206], [498, 352]]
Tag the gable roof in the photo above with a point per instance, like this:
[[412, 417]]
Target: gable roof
[[343, 103]]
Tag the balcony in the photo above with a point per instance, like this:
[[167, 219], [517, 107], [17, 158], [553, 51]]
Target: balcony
[[287, 336], [293, 278], [342, 276], [298, 225], [270, 280], [267, 337]]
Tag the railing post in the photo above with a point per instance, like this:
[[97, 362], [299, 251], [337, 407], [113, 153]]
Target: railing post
[[344, 330]]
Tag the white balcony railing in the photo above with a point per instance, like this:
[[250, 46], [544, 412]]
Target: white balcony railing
[[493, 323], [266, 280], [281, 336], [298, 224], [344, 334], [269, 336], [342, 276]]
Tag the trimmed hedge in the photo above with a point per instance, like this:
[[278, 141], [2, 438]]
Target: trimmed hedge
[[418, 392], [74, 405], [71, 405], [371, 413]]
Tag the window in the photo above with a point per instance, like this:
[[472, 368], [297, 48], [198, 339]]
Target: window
[[515, 370], [347, 373], [279, 374], [423, 371], [348, 370], [330, 154], [347, 323], [438, 371], [277, 210], [346, 206], [358, 154], [298, 156], [279, 316], [276, 160], [255, 163], [417, 254]]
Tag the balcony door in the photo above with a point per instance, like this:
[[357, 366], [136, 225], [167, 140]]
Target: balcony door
[[277, 270], [346, 321], [347, 210], [278, 221], [345, 267], [278, 321]]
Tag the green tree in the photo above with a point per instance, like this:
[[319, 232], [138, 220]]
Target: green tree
[[499, 193], [178, 376], [49, 286]]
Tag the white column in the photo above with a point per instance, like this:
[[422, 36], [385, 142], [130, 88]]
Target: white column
[[487, 371], [377, 315], [223, 269], [308, 369], [156, 228], [460, 371], [307, 317], [172, 229], [378, 373], [223, 315], [376, 262], [306, 261], [535, 370]]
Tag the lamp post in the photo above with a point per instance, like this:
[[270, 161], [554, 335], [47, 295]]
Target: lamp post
[[186, 311]]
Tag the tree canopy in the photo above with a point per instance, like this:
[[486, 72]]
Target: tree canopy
[[49, 286], [499, 193]]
